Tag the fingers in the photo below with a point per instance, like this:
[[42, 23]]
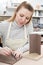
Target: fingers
[[17, 55], [5, 51], [8, 50]]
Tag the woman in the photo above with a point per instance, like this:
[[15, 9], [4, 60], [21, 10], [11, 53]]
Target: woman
[[17, 30]]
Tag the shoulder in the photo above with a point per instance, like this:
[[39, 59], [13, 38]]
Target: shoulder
[[4, 22], [29, 26]]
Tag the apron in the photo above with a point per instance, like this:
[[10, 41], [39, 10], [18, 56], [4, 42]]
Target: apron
[[15, 43]]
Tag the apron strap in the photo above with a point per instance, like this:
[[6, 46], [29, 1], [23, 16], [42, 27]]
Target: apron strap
[[25, 33], [8, 31]]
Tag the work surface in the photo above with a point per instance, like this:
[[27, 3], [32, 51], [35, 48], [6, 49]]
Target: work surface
[[27, 61]]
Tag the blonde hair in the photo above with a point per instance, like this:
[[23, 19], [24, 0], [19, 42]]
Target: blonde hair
[[23, 4]]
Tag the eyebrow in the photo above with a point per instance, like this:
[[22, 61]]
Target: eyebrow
[[23, 14]]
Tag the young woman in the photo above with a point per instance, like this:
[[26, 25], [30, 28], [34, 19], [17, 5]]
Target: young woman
[[15, 31]]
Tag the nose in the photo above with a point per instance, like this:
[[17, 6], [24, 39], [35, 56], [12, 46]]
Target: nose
[[23, 19]]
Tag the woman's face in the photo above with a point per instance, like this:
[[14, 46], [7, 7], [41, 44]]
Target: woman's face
[[23, 16]]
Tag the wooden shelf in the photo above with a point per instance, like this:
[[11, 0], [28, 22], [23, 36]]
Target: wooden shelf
[[37, 16]]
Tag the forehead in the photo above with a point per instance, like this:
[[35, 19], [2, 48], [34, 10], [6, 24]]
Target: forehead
[[25, 11]]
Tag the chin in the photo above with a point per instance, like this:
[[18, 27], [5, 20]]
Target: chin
[[20, 25]]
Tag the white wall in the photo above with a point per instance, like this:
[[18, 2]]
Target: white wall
[[3, 3], [33, 2]]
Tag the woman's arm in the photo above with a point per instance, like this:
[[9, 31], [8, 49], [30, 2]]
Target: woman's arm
[[5, 51], [24, 48]]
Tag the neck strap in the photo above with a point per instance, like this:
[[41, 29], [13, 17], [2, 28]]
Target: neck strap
[[25, 33]]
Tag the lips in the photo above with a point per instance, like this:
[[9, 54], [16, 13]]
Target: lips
[[20, 22]]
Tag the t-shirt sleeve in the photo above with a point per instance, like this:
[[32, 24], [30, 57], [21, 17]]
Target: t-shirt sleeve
[[3, 27]]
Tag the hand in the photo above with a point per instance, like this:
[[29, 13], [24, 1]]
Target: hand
[[5, 51], [17, 54]]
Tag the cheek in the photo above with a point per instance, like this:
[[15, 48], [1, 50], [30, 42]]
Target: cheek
[[17, 17], [26, 21]]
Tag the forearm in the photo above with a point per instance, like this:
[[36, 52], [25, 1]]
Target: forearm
[[0, 49], [24, 48]]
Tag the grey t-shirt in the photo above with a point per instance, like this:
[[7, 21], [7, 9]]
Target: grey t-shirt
[[15, 32]]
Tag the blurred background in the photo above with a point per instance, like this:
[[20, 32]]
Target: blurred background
[[7, 8]]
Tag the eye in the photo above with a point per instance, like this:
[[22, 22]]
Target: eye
[[21, 15], [27, 18]]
